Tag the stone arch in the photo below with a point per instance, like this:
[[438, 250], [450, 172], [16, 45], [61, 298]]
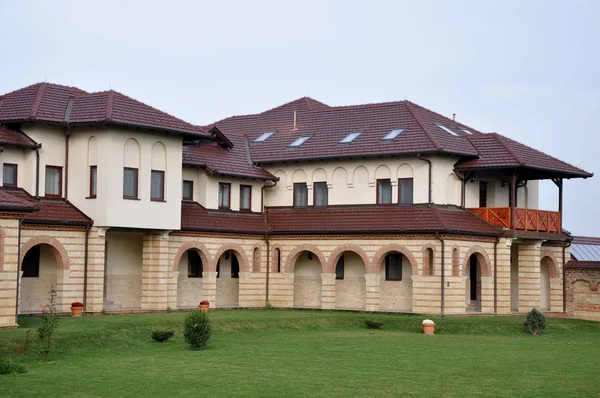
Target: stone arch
[[239, 252], [484, 261], [428, 255], [202, 250], [336, 254], [552, 263], [394, 247], [455, 261], [59, 252], [295, 253]]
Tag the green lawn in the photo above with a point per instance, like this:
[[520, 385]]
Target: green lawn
[[310, 353]]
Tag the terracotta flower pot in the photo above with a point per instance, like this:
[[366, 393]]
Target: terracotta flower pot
[[428, 328], [76, 311], [203, 307]]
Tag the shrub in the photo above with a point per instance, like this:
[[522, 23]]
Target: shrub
[[196, 329], [48, 326], [169, 309], [9, 368], [269, 306], [77, 304], [162, 335], [535, 321], [373, 325]]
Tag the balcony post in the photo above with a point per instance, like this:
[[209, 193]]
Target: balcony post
[[513, 199], [560, 202]]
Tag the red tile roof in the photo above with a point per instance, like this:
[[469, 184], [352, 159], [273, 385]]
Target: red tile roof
[[195, 217], [377, 219], [49, 211], [583, 264], [15, 138], [10, 202], [234, 161], [328, 125], [49, 103], [497, 151]]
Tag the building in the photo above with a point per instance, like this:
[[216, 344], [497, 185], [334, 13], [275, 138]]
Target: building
[[380, 207]]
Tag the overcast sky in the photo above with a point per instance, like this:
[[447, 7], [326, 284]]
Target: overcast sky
[[527, 69]]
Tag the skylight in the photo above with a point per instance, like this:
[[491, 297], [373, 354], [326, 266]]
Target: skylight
[[350, 137], [264, 136], [446, 129], [466, 131], [299, 142], [392, 134]]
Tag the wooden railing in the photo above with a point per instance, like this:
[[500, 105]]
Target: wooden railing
[[524, 219]]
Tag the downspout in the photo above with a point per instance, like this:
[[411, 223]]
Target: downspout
[[496, 276], [438, 237], [430, 167], [68, 136], [37, 170], [266, 238], [564, 269], [85, 265], [18, 272]]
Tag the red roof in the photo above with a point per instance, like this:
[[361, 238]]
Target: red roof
[[497, 151], [49, 103], [327, 126], [377, 219], [233, 161], [586, 240], [195, 217], [9, 202], [15, 138], [49, 211], [583, 264]]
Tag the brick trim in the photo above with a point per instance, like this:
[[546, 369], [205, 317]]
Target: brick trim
[[337, 253], [60, 254], [455, 260], [552, 265], [383, 251], [295, 253], [238, 250], [484, 261], [425, 259], [199, 247]]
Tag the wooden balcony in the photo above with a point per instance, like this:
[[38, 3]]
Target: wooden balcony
[[524, 219]]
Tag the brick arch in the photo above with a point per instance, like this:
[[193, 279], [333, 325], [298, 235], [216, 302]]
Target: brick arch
[[484, 261], [383, 251], [455, 260], [256, 260], [239, 252], [337, 253], [273, 255], [553, 264], [290, 261], [202, 250], [58, 250], [425, 259]]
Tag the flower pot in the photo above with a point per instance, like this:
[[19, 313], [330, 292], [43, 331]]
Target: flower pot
[[76, 311], [203, 307], [428, 328]]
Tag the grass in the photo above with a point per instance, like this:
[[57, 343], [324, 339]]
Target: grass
[[309, 353]]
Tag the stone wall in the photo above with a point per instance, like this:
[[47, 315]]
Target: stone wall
[[9, 265], [583, 297]]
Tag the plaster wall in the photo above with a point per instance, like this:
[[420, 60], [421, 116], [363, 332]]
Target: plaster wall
[[25, 161], [124, 269], [350, 292], [307, 281]]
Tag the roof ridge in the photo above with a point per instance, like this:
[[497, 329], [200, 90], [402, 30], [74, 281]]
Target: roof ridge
[[38, 100], [409, 106], [110, 104], [499, 138]]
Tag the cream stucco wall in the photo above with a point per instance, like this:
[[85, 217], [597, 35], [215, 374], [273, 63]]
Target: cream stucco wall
[[25, 161], [109, 208], [498, 195]]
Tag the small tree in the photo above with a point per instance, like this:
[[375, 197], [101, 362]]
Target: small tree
[[196, 329], [535, 321], [48, 326]]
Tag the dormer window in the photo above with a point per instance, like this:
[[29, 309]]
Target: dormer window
[[392, 134], [447, 130], [263, 137], [350, 137], [299, 141]]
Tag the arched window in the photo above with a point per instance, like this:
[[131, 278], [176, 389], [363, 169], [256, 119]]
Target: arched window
[[430, 261], [393, 267], [455, 262], [195, 267], [256, 260], [277, 260]]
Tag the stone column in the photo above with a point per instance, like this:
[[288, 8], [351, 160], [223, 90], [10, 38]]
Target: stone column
[[372, 292], [172, 289], [503, 277], [155, 271], [9, 264], [529, 277], [64, 296], [95, 274], [327, 291], [209, 288]]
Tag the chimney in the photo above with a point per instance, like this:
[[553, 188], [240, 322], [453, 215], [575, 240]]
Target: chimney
[[294, 120], [454, 116]]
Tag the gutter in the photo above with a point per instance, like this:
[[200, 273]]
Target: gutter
[[438, 237], [68, 136], [496, 275], [37, 170], [430, 167]]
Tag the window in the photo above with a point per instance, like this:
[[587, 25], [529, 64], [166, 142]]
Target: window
[[31, 263], [393, 267], [224, 195], [188, 190], [9, 175], [245, 197], [320, 194], [350, 137], [446, 129], [195, 268], [299, 142], [263, 137], [157, 185], [384, 192], [278, 253], [53, 181], [483, 194], [392, 134], [405, 191], [93, 181], [339, 268], [130, 183], [300, 195]]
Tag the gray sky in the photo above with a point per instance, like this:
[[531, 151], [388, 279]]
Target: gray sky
[[529, 70]]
